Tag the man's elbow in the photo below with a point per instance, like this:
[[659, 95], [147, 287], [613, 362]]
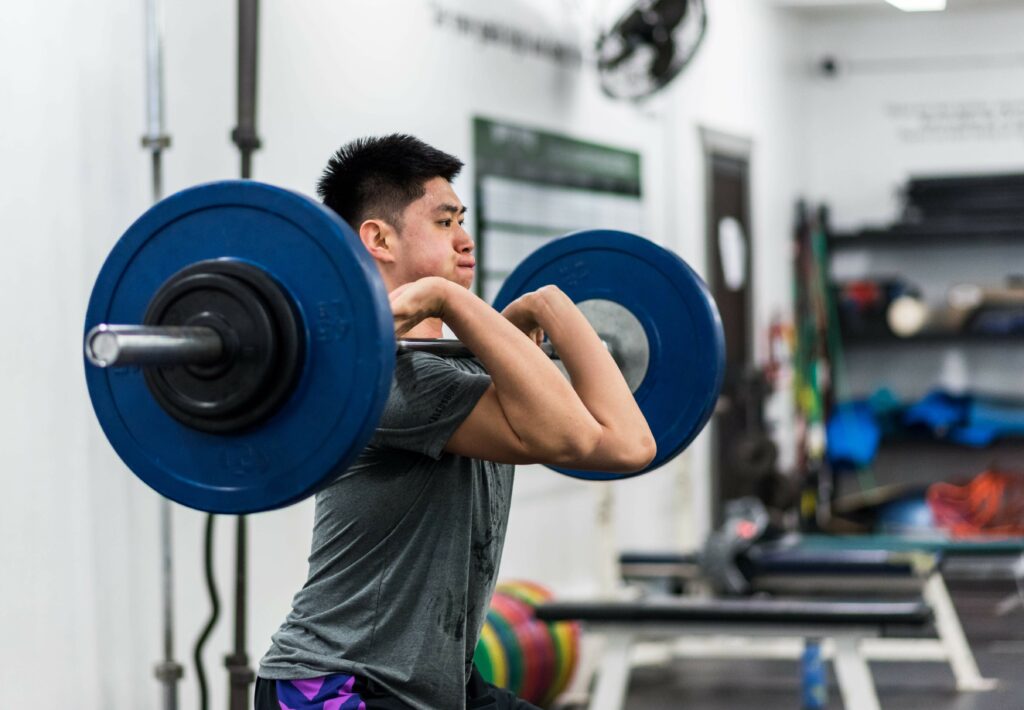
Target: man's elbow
[[633, 456], [577, 445], [642, 454]]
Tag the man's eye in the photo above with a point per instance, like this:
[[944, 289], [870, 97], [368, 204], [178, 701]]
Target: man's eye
[[445, 222]]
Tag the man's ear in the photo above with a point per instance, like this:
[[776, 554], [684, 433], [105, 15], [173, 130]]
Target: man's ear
[[379, 239]]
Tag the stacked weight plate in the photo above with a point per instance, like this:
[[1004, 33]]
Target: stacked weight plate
[[533, 659]]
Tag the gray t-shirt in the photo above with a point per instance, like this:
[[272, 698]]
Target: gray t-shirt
[[406, 546]]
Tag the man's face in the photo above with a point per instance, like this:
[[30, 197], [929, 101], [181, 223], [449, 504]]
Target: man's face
[[432, 241]]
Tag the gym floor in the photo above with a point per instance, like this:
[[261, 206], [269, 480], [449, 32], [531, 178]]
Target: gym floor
[[774, 685], [997, 640]]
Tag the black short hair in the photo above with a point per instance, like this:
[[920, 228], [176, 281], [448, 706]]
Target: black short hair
[[378, 177]]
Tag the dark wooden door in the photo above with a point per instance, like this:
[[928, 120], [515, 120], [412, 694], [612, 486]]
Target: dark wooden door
[[730, 257]]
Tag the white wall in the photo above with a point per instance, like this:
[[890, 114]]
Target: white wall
[[931, 94], [70, 181], [866, 133], [79, 595]]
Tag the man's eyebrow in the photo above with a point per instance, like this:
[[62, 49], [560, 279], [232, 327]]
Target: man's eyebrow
[[454, 209]]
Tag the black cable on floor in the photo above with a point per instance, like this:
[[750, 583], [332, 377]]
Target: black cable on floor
[[211, 587]]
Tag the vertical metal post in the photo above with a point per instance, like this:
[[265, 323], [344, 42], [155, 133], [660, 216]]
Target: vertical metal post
[[856, 686], [613, 671], [168, 671], [608, 573], [245, 137], [951, 635], [155, 140]]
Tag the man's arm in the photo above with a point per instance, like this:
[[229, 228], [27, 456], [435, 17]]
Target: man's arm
[[530, 413], [626, 443]]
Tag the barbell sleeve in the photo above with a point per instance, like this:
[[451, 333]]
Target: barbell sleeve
[[109, 345]]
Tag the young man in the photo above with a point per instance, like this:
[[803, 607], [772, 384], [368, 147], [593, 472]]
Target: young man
[[407, 542]]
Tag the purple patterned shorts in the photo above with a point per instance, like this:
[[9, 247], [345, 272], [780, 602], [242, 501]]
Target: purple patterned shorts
[[335, 692]]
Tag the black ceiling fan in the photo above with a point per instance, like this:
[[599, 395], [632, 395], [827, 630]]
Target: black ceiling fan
[[652, 42]]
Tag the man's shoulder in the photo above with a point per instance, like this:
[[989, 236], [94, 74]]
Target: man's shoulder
[[419, 362]]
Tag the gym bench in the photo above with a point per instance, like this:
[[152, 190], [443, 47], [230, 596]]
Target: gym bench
[[819, 571], [846, 624]]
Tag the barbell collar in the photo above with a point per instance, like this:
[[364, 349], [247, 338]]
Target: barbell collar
[[109, 345]]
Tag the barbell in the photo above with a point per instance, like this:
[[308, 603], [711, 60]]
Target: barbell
[[240, 347]]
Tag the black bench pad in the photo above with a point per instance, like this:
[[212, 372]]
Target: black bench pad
[[794, 561], [763, 611]]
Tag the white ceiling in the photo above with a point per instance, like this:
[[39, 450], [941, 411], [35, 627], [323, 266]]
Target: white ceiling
[[878, 5]]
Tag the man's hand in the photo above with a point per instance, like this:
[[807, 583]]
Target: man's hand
[[414, 302], [522, 313]]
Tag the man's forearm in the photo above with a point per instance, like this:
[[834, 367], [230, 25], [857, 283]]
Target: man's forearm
[[597, 380], [540, 406]]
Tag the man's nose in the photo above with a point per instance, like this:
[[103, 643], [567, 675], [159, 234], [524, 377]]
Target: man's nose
[[465, 244]]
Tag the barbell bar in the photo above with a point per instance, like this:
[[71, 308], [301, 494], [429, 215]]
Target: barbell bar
[[108, 345], [286, 329]]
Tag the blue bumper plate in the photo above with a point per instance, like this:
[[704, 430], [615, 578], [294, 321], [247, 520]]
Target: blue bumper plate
[[685, 341], [348, 351]]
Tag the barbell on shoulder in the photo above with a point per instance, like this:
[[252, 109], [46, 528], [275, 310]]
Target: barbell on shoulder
[[240, 350]]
